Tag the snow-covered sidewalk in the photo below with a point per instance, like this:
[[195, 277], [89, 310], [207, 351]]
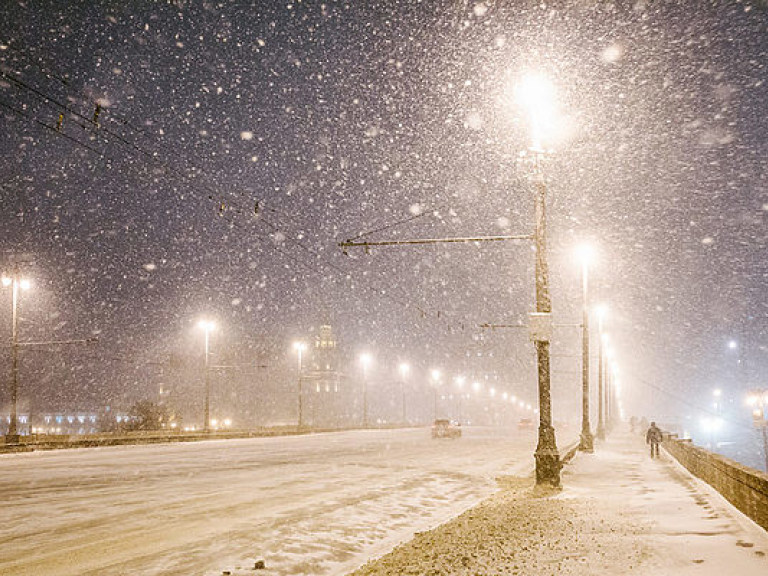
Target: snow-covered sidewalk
[[619, 512]]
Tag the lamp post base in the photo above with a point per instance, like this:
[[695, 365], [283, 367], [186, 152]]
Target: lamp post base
[[587, 442], [548, 464], [600, 432]]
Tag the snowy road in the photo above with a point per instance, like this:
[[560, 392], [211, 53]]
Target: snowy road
[[318, 504]]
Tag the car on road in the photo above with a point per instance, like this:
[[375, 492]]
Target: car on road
[[444, 428], [525, 423]]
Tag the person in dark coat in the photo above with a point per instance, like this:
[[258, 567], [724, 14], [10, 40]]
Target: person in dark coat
[[654, 437]]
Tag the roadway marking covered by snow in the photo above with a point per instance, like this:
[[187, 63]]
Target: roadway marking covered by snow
[[318, 504]]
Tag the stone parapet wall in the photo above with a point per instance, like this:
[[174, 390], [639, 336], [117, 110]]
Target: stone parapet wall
[[744, 487]]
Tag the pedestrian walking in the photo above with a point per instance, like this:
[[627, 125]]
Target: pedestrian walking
[[654, 437]]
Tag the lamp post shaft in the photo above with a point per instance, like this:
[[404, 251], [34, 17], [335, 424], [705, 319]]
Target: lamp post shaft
[[600, 422], [207, 415], [586, 443], [13, 424], [301, 399], [548, 463], [365, 399]]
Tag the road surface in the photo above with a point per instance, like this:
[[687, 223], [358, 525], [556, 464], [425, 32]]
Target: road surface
[[317, 504]]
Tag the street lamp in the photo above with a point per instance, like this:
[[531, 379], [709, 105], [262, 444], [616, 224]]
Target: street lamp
[[207, 326], [16, 282], [536, 95], [404, 369], [586, 443], [758, 401], [300, 347], [365, 361], [435, 374], [460, 384], [602, 339]]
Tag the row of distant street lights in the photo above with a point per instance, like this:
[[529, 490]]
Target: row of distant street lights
[[365, 360]]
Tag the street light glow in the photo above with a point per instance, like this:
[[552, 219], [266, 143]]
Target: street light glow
[[299, 346], [404, 369], [602, 311], [207, 325], [6, 281], [365, 360], [435, 375], [25, 284], [732, 345], [586, 254], [536, 94]]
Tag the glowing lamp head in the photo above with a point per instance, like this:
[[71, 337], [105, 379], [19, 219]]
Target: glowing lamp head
[[365, 360], [25, 284], [299, 346], [404, 369], [6, 281], [435, 375], [586, 254], [206, 325], [536, 94]]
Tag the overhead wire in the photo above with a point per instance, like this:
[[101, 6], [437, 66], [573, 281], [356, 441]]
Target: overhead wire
[[49, 100]]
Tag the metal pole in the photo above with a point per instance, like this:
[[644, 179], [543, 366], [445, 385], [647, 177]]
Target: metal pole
[[207, 420], [301, 401], [13, 425], [600, 391], [586, 443], [402, 389], [548, 463], [365, 398]]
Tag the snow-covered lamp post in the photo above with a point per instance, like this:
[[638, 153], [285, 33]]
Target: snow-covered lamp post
[[601, 340], [586, 442], [758, 401], [17, 283], [536, 95], [435, 377], [365, 362], [404, 370], [207, 326], [300, 347]]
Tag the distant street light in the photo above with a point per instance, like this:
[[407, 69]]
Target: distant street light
[[207, 326], [536, 95], [460, 383], [16, 282], [365, 361], [404, 369], [601, 340], [586, 443], [300, 347], [758, 401], [435, 374]]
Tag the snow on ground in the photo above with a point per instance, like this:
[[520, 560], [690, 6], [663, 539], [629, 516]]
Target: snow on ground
[[318, 504], [619, 513]]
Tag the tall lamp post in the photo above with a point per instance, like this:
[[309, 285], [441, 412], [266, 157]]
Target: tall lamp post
[[365, 361], [460, 383], [300, 347], [16, 282], [537, 95], [207, 327], [758, 401], [586, 443], [601, 340], [404, 369], [435, 374]]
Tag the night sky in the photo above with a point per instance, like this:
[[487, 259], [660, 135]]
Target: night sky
[[239, 142]]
